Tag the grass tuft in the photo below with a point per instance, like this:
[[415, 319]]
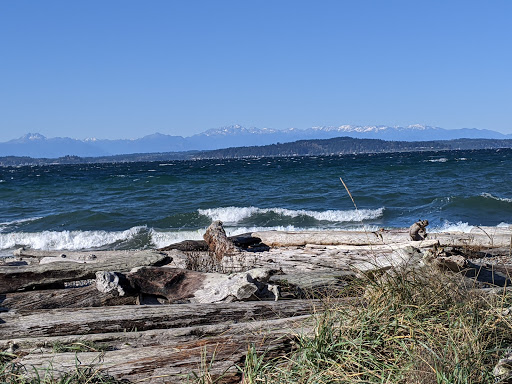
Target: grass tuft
[[408, 328]]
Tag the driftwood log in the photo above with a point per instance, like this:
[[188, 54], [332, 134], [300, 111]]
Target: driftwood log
[[172, 355], [80, 297], [127, 318], [181, 285], [218, 242], [318, 258], [486, 237], [244, 241], [55, 274]]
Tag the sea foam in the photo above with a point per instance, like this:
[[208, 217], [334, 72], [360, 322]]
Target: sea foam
[[70, 240], [237, 214], [453, 227]]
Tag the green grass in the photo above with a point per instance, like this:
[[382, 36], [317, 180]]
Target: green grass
[[415, 327]]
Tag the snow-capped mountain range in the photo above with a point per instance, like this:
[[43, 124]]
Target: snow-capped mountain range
[[37, 145]]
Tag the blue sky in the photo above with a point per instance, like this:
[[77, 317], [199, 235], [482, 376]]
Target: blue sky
[[124, 69]]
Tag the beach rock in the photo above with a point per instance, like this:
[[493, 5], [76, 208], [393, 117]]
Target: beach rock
[[108, 282], [218, 242], [503, 370]]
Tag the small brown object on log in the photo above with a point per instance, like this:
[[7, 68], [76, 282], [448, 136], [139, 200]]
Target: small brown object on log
[[417, 231]]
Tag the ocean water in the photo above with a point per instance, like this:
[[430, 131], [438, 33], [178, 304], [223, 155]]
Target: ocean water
[[139, 205]]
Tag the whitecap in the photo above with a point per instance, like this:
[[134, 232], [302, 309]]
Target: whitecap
[[489, 196], [70, 240], [237, 214], [440, 160], [163, 238], [448, 226]]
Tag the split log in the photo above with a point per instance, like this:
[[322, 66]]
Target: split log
[[82, 321], [56, 274], [175, 358], [490, 237], [81, 297], [218, 242], [181, 285], [364, 258]]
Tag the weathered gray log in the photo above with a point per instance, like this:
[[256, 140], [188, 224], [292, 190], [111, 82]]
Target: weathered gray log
[[218, 242], [126, 318], [187, 246], [362, 258], [169, 356], [312, 284], [79, 256], [81, 297], [181, 285], [171, 336], [244, 241], [478, 237], [56, 274]]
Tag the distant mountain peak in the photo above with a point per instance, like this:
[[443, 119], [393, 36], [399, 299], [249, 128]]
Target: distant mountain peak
[[37, 145], [236, 129], [33, 136]]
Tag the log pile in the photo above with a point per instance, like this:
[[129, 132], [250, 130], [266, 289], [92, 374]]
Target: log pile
[[164, 315]]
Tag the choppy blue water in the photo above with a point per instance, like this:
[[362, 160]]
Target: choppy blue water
[[137, 205]]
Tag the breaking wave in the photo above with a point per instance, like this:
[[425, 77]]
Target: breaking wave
[[453, 227], [237, 214], [69, 240]]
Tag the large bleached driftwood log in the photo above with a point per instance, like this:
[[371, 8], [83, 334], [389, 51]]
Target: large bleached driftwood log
[[309, 258], [13, 278], [170, 355], [168, 336], [126, 318], [478, 237], [181, 285]]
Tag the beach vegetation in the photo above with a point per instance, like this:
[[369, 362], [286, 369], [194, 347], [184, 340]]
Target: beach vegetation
[[407, 328]]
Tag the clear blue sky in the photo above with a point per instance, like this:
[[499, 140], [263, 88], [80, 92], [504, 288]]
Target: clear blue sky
[[124, 69]]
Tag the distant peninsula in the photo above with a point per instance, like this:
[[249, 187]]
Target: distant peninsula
[[318, 147]]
